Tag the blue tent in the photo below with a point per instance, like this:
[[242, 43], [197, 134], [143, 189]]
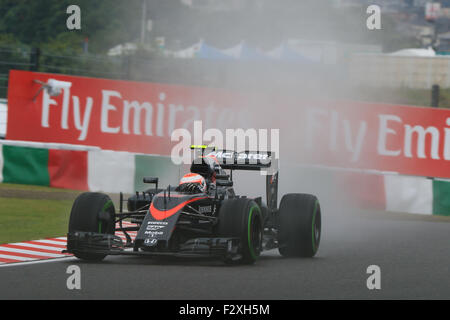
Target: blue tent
[[293, 56], [248, 53], [286, 54], [208, 52]]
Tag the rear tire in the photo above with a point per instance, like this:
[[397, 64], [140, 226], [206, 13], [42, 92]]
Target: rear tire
[[241, 218], [300, 225], [92, 212]]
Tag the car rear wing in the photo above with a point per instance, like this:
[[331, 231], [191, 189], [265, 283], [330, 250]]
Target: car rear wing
[[246, 160], [263, 161]]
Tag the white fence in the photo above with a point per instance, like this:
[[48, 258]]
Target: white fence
[[382, 70]]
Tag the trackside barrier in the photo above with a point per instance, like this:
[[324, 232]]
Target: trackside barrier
[[374, 189], [80, 167], [90, 168]]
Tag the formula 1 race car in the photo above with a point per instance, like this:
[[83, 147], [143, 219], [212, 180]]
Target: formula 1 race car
[[202, 216]]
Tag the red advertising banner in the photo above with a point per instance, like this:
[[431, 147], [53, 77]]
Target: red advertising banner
[[114, 115], [140, 117], [403, 139]]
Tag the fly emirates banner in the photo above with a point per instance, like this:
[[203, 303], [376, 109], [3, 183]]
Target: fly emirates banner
[[140, 117]]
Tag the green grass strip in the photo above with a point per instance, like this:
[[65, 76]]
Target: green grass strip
[[32, 219]]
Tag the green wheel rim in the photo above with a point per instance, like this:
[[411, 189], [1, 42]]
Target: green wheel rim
[[249, 238], [105, 207], [313, 231]]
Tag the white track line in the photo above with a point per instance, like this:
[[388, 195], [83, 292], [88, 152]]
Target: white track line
[[5, 256], [16, 264]]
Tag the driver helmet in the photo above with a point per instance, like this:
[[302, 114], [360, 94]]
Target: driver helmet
[[192, 182]]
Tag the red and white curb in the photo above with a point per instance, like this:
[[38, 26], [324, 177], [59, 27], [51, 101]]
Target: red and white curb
[[43, 249]]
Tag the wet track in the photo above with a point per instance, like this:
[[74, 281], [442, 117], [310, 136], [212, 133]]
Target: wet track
[[413, 254]]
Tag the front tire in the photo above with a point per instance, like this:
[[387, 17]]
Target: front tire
[[241, 218], [92, 212], [300, 224]]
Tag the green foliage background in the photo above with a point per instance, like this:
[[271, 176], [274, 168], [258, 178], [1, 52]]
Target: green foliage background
[[107, 23], [42, 24]]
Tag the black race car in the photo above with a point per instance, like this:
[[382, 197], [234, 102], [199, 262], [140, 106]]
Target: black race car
[[202, 216]]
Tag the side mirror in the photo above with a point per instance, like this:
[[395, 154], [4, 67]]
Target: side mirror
[[151, 180]]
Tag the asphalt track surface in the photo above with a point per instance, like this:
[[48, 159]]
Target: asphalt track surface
[[413, 254]]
